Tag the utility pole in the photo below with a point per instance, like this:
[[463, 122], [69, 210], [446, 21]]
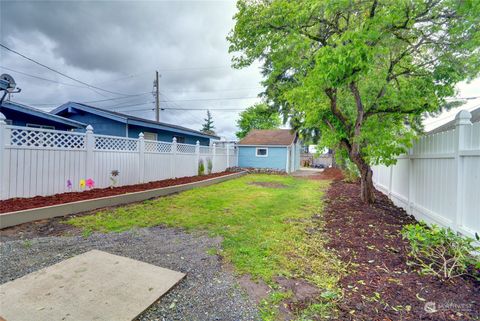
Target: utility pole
[[157, 97]]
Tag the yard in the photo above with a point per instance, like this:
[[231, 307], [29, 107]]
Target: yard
[[261, 246]]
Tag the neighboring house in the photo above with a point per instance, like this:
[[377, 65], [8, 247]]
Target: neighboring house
[[107, 122], [277, 149], [451, 124], [23, 115]]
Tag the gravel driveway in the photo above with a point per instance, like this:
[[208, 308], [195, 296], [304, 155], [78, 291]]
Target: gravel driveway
[[208, 292]]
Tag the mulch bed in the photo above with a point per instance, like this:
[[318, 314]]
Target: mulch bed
[[17, 204], [329, 174], [379, 280]]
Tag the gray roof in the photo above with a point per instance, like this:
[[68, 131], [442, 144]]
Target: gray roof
[[41, 114], [451, 124]]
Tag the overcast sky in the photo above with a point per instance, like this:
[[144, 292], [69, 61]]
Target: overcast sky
[[118, 46]]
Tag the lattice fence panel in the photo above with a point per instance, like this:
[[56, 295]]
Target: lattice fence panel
[[46, 138], [205, 150], [115, 144], [157, 147], [186, 149]]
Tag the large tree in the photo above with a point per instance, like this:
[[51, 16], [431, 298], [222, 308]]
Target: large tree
[[362, 72], [208, 127], [259, 116]]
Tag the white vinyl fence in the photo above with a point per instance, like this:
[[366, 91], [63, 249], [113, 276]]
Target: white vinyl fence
[[439, 180], [46, 162]]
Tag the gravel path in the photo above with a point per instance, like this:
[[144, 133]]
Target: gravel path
[[208, 292]]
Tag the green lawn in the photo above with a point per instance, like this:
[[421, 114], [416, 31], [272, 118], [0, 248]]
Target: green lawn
[[263, 228]]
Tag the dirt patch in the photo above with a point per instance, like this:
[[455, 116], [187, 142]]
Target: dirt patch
[[329, 174], [256, 290], [380, 285], [303, 293], [17, 204], [269, 184]]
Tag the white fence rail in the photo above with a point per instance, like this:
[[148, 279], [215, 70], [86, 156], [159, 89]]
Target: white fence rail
[[438, 181], [46, 162]]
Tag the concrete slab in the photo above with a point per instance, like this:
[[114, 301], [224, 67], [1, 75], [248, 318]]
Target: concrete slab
[[91, 286]]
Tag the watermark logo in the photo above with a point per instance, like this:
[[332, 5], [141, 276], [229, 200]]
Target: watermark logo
[[432, 307]]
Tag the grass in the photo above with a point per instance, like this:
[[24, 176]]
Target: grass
[[263, 228]]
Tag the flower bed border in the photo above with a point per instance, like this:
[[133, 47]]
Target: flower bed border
[[24, 216]]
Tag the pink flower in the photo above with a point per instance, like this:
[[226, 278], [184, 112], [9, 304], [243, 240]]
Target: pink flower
[[90, 183]]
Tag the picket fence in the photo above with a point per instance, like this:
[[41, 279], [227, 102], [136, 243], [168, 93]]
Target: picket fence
[[438, 181], [46, 162]]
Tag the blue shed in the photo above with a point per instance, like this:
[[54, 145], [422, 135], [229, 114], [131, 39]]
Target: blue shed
[[277, 149], [106, 122], [23, 115]]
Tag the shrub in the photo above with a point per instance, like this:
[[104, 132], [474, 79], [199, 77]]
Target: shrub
[[209, 166], [440, 251], [201, 167], [350, 172]]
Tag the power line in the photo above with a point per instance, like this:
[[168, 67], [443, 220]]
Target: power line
[[59, 72], [209, 99], [41, 78]]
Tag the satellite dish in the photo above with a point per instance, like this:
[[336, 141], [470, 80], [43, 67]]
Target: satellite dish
[[8, 83]]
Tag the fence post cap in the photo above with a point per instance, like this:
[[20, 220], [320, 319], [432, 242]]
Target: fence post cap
[[198, 142], [89, 129], [463, 118], [140, 135], [174, 139], [2, 118]]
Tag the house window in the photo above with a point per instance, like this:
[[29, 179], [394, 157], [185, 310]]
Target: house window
[[149, 136], [262, 152], [8, 121], [180, 139], [40, 126]]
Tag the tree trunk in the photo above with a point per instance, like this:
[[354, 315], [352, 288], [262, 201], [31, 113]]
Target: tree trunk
[[366, 182]]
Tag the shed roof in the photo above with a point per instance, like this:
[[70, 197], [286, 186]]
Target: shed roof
[[21, 108], [132, 120], [280, 137], [451, 124]]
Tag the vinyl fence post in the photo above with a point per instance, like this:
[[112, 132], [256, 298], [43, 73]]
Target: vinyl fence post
[[141, 158], [411, 185], [214, 153], [462, 124], [390, 181], [228, 155], [89, 147], [3, 172], [197, 153], [174, 156]]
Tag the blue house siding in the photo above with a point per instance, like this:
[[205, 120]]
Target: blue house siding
[[101, 125], [276, 159], [166, 136]]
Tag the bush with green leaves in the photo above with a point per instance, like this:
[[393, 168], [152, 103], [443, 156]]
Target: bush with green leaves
[[209, 166], [201, 167], [440, 251]]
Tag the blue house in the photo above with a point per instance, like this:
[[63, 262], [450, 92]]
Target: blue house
[[277, 149], [107, 122], [23, 115]]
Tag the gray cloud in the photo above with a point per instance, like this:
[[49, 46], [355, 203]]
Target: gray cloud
[[119, 45]]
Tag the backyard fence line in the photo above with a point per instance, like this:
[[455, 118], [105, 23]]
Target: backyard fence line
[[438, 181], [45, 162]]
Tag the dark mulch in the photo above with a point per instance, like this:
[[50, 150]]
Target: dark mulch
[[380, 285], [17, 204]]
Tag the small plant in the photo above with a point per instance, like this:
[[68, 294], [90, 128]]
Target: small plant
[[201, 167], [113, 177], [350, 172], [90, 183], [440, 251], [209, 166]]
